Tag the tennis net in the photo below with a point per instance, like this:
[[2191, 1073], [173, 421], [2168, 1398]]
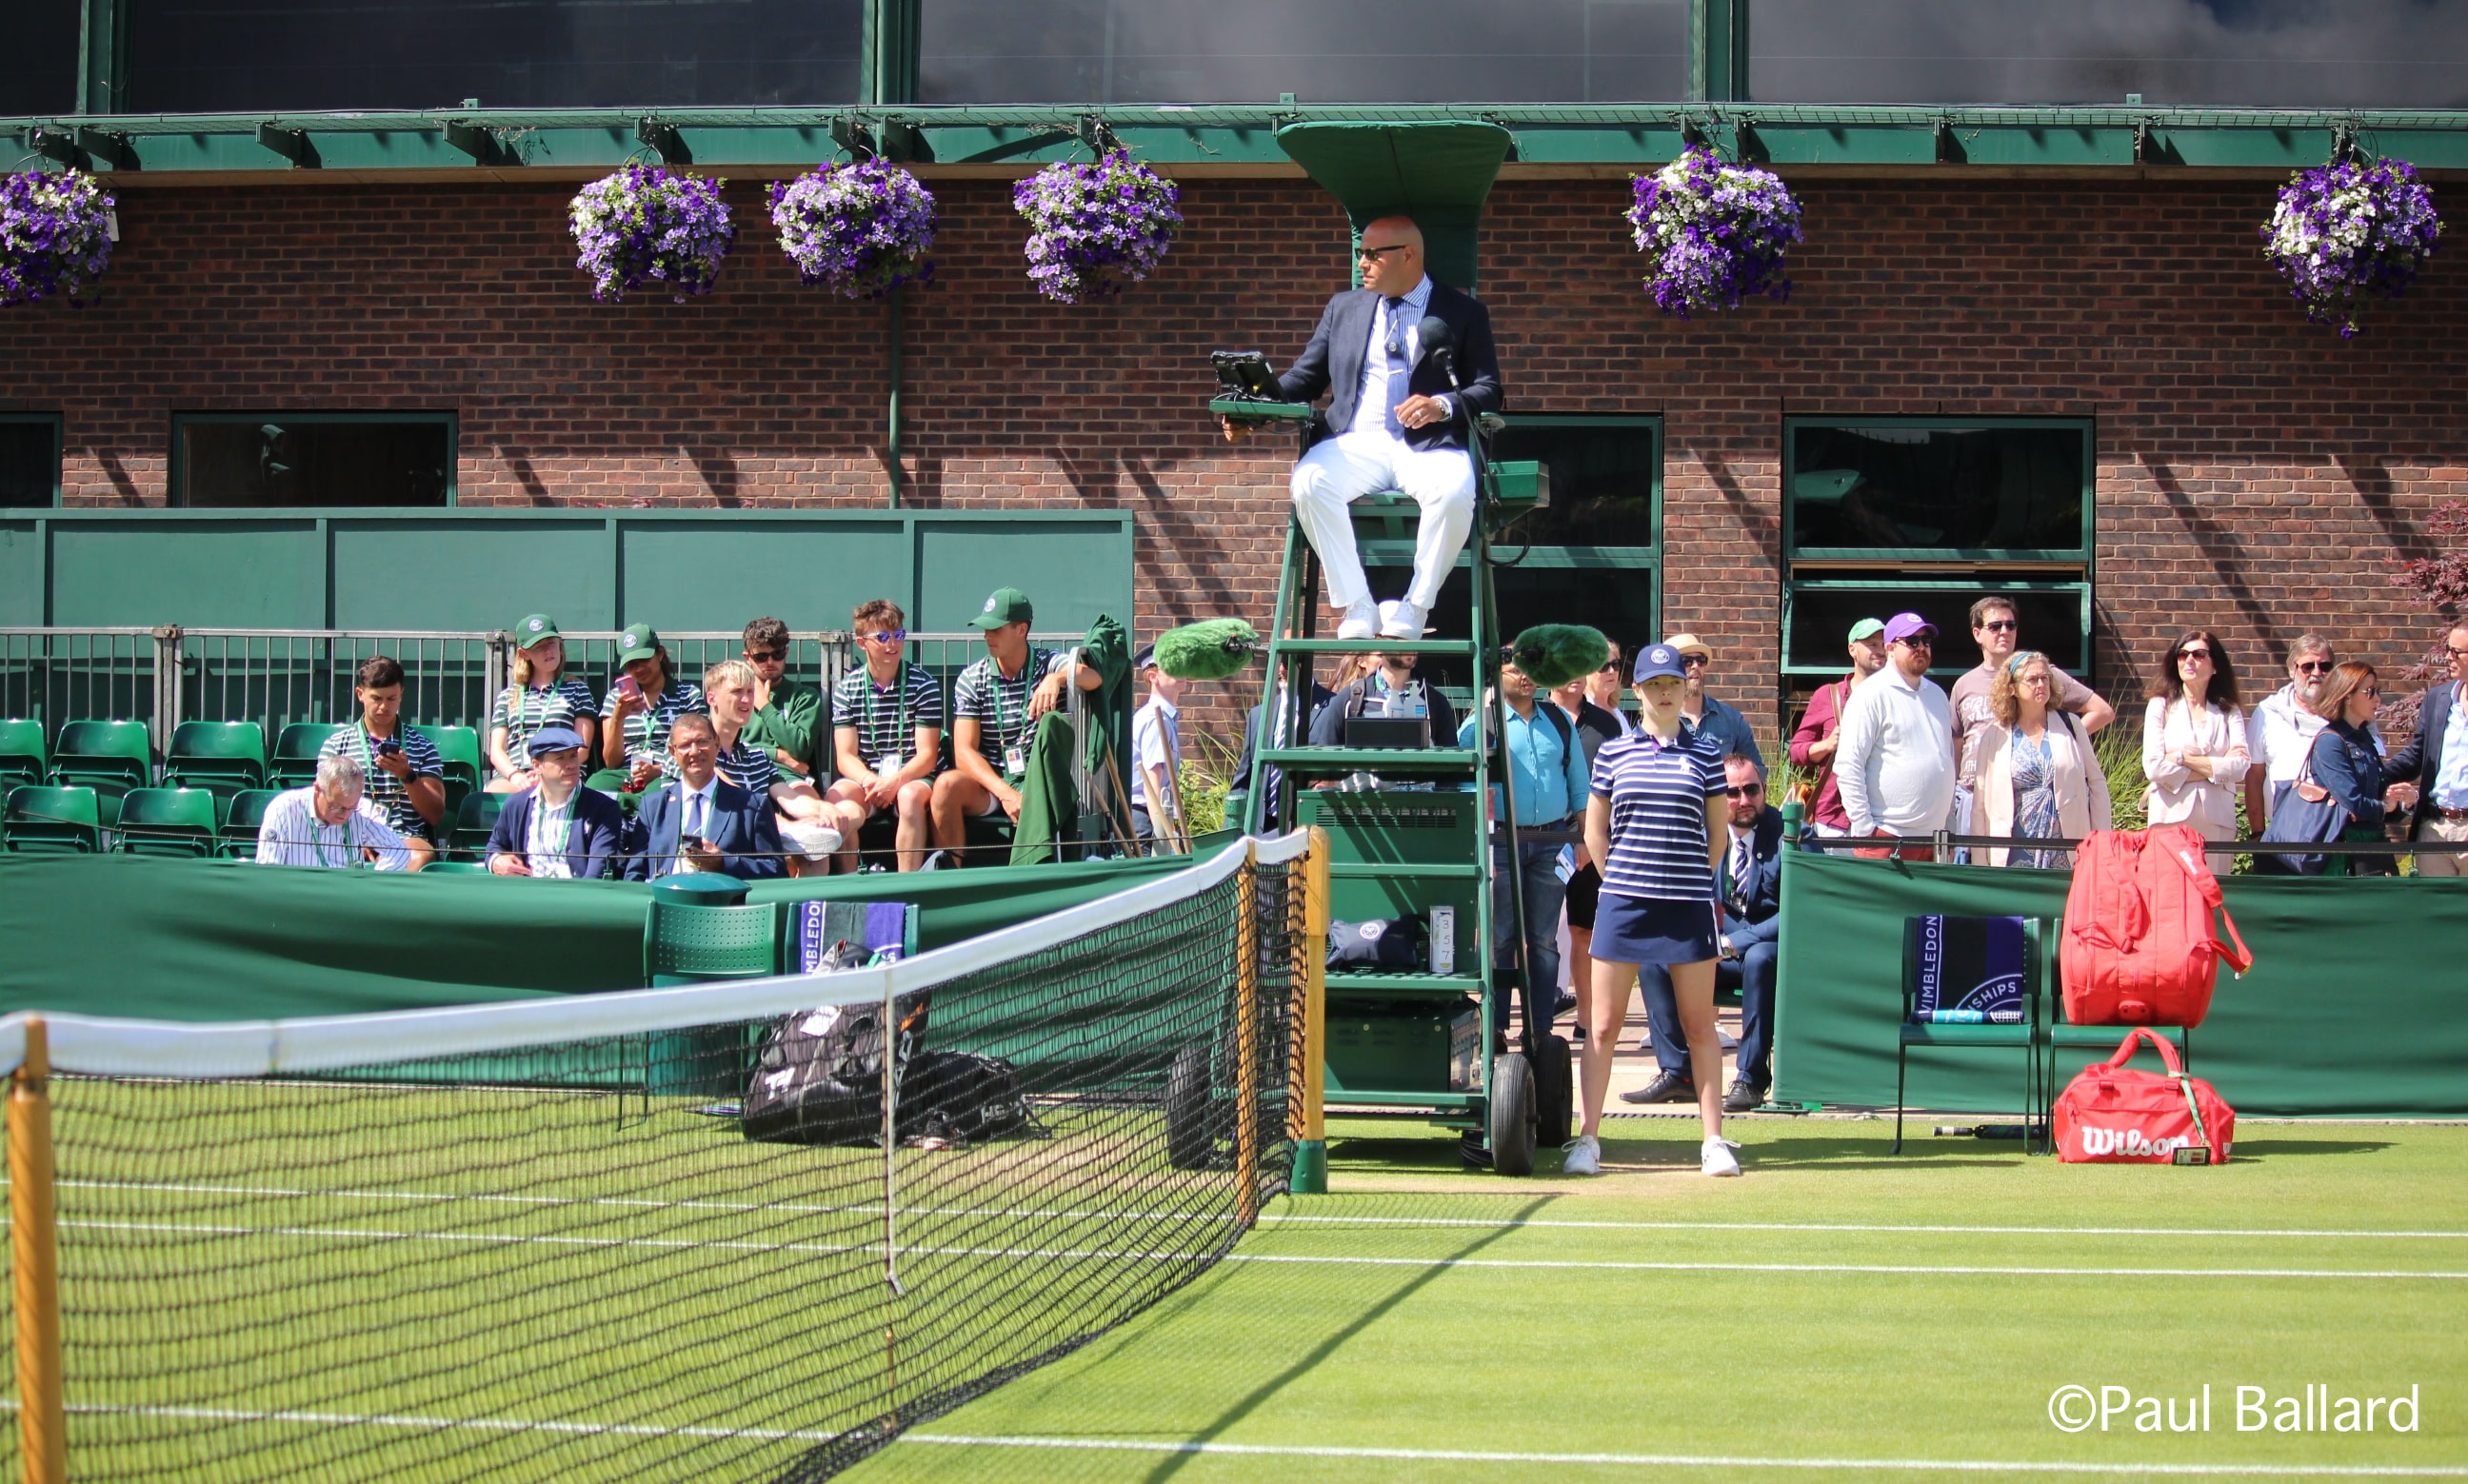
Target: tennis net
[[531, 1240]]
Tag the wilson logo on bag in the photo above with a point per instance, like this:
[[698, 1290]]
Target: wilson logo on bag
[[2138, 946], [2110, 1114]]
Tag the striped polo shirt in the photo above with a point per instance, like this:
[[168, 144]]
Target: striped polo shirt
[[391, 796], [1657, 794], [525, 709], [885, 718], [646, 731], [749, 766], [1000, 706]]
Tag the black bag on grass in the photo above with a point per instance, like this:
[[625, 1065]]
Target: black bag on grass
[[818, 1076], [960, 1095]]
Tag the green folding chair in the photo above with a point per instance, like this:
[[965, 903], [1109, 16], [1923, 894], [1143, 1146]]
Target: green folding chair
[[2021, 1036], [476, 818], [23, 758], [224, 757], [294, 764], [243, 819], [174, 822], [46, 819], [684, 943], [458, 752], [108, 757]]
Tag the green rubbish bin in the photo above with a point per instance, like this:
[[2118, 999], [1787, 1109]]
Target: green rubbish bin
[[698, 929]]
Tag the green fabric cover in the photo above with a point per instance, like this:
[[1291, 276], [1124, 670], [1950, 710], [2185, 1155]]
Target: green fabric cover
[[1439, 173], [2356, 1004], [1049, 806], [208, 940], [794, 724]]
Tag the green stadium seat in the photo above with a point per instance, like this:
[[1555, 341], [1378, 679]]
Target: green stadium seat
[[23, 758], [295, 753], [688, 944], [473, 820], [458, 750], [242, 820], [456, 792], [221, 756], [455, 868], [51, 820], [108, 757], [176, 822]]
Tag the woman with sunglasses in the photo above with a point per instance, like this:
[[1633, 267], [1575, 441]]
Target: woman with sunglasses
[[2037, 776], [2345, 765], [2193, 742], [887, 739]]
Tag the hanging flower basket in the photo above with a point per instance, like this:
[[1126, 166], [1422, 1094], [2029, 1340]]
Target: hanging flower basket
[[859, 230], [645, 223], [1093, 228], [2347, 230], [1716, 232], [55, 233]]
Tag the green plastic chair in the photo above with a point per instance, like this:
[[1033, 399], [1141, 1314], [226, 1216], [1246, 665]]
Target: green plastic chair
[[174, 822], [476, 818], [221, 756], [688, 944], [294, 764], [45, 819], [243, 820], [23, 758], [108, 757], [458, 751]]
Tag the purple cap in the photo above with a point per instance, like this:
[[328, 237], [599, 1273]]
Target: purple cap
[[1902, 625]]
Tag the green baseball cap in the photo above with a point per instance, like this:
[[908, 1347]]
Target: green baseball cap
[[1866, 628], [1007, 605], [640, 642], [534, 628]]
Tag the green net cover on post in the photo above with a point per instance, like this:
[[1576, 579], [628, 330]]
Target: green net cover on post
[[1437, 172]]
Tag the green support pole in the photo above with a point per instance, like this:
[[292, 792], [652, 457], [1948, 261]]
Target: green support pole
[[892, 402], [102, 55]]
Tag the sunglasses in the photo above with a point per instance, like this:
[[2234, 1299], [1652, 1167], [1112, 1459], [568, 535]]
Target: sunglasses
[[765, 656], [2454, 654], [2315, 667], [888, 636], [1748, 793], [1372, 253], [2193, 655], [1692, 662], [2001, 626]]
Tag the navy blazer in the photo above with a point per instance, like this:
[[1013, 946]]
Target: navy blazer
[[2420, 761], [1758, 919], [595, 832], [740, 826], [1332, 363]]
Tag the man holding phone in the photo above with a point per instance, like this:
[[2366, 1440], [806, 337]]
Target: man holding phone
[[700, 821], [406, 779]]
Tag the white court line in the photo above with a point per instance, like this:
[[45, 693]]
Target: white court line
[[1705, 1461], [512, 1239], [1278, 1220]]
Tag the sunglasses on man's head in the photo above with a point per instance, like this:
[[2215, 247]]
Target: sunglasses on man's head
[[764, 656]]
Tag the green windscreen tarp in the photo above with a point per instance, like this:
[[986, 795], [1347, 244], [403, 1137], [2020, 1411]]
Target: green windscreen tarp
[[2357, 1003], [212, 940]]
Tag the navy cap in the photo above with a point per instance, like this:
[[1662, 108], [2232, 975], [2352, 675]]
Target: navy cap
[[1657, 661], [1146, 659], [552, 739]]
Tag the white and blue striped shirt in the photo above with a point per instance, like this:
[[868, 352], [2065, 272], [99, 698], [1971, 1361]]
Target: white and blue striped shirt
[[1657, 794]]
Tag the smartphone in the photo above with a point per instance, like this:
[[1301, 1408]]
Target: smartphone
[[388, 746], [627, 685]]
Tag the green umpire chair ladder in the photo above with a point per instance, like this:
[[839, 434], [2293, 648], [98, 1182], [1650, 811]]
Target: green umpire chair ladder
[[1405, 1045]]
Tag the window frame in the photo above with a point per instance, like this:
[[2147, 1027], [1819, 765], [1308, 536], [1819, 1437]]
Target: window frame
[[1793, 556], [58, 421], [2041, 580], [177, 485]]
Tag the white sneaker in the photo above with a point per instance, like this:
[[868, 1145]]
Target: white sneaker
[[1361, 620], [1718, 1158], [1402, 620], [1584, 1156]]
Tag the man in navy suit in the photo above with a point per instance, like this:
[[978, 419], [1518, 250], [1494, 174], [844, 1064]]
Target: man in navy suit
[[1395, 420], [2437, 761], [1749, 884], [700, 821], [558, 827]]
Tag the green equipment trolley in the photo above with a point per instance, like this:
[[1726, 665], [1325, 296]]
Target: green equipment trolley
[[1412, 1045]]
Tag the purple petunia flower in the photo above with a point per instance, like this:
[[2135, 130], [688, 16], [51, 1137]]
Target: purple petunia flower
[[1090, 226], [649, 222], [2350, 229], [1717, 233], [862, 229], [55, 233]]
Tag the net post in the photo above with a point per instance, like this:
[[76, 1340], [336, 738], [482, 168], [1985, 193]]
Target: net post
[[1311, 978], [41, 1417], [1246, 1037]]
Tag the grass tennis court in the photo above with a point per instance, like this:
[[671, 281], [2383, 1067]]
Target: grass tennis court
[[1839, 1309]]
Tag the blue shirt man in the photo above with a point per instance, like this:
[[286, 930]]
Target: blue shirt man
[[1546, 770], [1719, 728]]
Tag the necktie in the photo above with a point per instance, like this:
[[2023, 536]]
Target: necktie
[[695, 807], [1741, 865], [1399, 371]]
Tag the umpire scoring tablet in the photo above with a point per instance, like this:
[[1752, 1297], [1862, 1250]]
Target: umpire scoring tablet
[[1393, 422]]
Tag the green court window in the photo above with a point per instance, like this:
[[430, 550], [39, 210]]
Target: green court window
[[317, 460], [30, 460]]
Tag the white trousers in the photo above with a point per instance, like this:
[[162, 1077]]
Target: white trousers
[[1342, 470]]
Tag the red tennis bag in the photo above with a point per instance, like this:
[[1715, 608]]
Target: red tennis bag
[[2138, 948], [2108, 1115]]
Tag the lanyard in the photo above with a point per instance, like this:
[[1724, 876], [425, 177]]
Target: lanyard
[[318, 828], [1027, 673]]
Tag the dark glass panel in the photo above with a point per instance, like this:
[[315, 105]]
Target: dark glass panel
[[38, 66], [1820, 617], [225, 56], [1320, 50], [271, 461], [1602, 482], [1914, 488], [2287, 53], [29, 463]]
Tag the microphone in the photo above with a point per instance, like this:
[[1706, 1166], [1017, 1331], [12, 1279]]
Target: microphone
[[1434, 338]]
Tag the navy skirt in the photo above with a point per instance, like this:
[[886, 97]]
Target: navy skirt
[[1650, 930]]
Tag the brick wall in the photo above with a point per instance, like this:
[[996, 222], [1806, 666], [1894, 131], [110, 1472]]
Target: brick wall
[[2257, 474]]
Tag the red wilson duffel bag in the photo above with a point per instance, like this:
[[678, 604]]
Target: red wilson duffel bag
[[2139, 948], [2108, 1115]]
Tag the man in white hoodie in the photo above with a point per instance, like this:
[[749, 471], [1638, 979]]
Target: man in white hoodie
[[1895, 754]]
